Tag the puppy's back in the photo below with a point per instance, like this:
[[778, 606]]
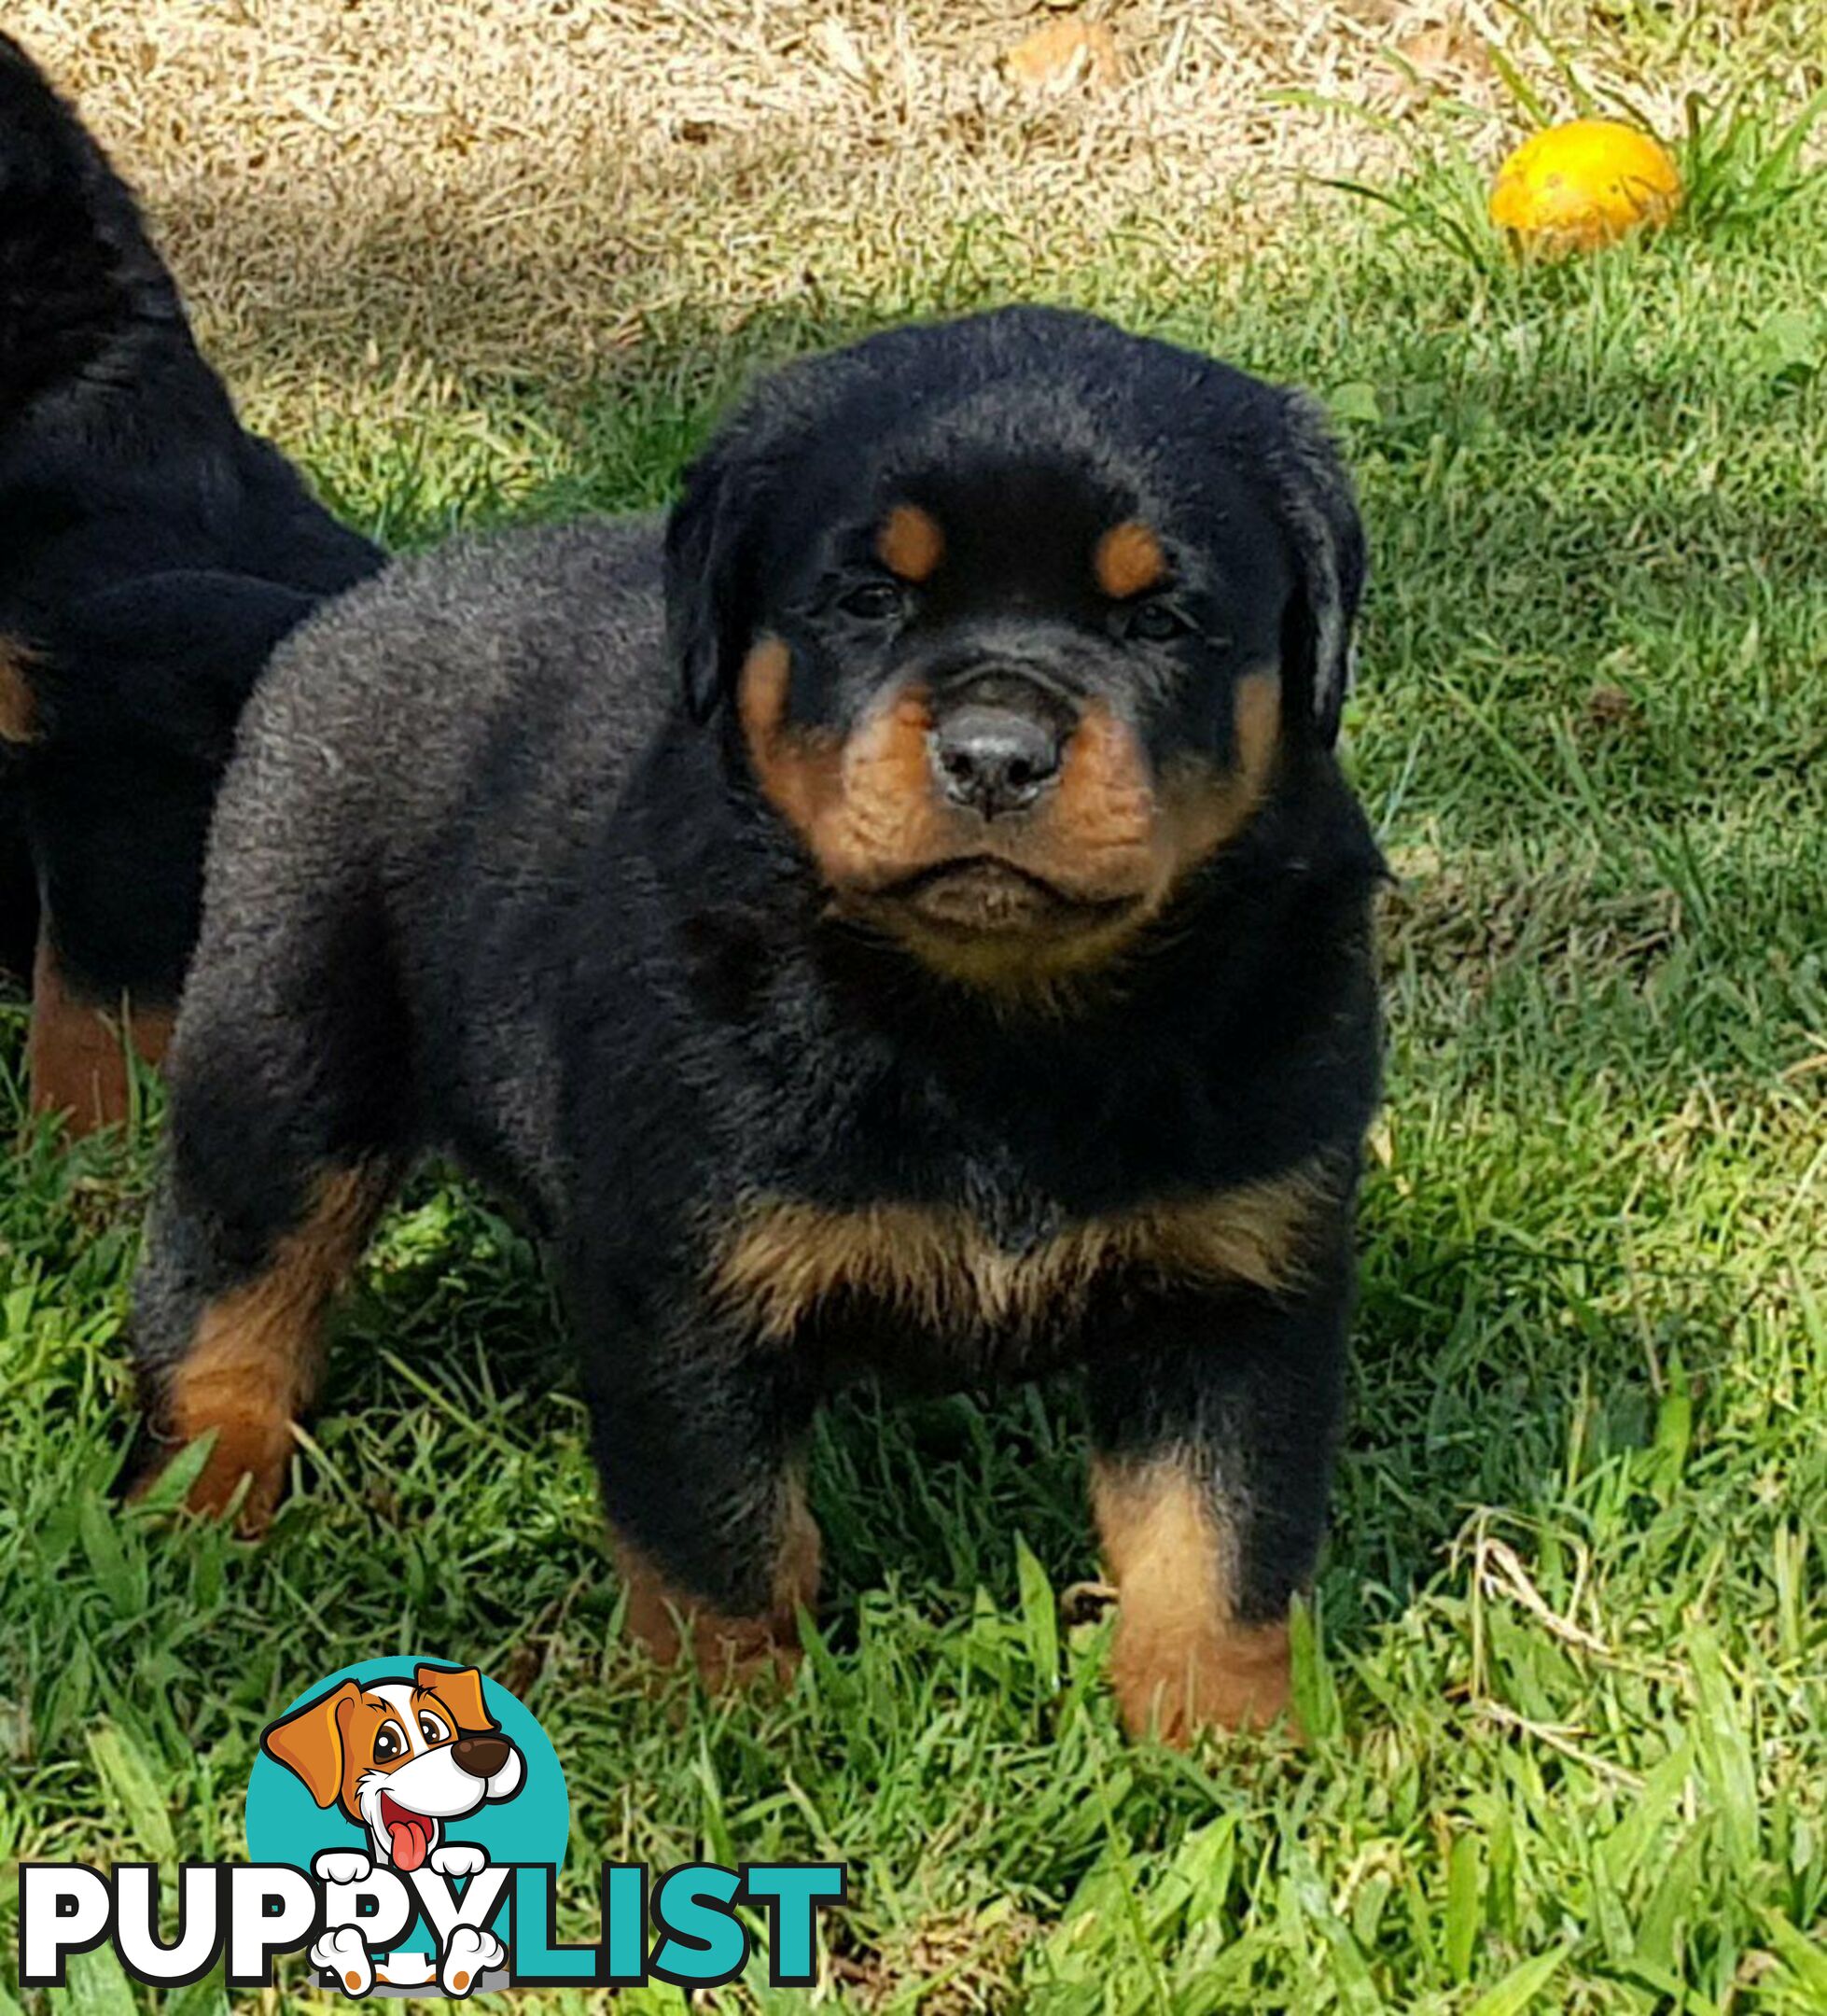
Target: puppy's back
[[420, 794], [492, 672]]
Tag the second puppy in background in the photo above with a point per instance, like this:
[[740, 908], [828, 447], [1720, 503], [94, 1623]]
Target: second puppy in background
[[924, 935], [152, 552]]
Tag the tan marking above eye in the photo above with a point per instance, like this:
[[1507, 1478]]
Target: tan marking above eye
[[1128, 560], [911, 543]]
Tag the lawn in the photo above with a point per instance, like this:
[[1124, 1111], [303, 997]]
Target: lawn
[[1566, 1675]]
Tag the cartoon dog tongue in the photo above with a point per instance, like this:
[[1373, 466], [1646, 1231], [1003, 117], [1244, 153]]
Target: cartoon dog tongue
[[408, 1833]]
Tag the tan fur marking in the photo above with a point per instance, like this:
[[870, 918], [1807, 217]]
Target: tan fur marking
[[1257, 713], [1203, 809], [730, 1651], [1181, 1662], [1128, 560], [18, 704], [254, 1360], [75, 1057], [935, 1266], [1105, 808], [911, 543], [887, 812], [858, 804], [798, 773]]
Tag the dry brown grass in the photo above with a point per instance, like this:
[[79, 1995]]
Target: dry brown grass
[[434, 194]]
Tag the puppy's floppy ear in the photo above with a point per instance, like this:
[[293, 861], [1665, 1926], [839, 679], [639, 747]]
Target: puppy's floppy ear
[[1318, 513], [460, 1691], [710, 570], [309, 1742]]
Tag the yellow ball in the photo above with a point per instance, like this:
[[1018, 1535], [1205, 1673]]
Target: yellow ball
[[1575, 188]]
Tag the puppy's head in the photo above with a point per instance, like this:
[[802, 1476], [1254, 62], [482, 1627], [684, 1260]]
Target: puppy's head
[[1018, 619], [399, 1757]]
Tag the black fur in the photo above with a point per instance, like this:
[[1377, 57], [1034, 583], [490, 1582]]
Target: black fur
[[151, 554], [492, 871]]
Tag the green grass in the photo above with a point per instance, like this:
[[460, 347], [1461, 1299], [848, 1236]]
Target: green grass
[[1565, 1672]]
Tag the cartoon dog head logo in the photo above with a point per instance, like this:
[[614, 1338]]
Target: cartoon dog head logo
[[400, 1756], [409, 1791]]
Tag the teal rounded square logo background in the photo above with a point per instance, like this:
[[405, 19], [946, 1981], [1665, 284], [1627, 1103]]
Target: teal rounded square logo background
[[284, 1824]]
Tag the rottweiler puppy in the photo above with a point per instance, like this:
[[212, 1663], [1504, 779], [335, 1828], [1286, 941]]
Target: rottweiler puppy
[[907, 921], [151, 554]]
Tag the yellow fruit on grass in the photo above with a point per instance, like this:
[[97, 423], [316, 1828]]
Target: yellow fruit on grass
[[1575, 188]]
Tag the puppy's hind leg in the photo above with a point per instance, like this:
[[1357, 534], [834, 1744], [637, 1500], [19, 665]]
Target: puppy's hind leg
[[285, 1146], [76, 1053], [229, 1339]]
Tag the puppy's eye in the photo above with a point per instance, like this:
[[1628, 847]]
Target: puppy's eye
[[432, 1729], [1154, 623], [387, 1746], [875, 601]]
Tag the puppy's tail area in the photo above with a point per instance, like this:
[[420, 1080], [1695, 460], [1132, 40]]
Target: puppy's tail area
[[78, 275]]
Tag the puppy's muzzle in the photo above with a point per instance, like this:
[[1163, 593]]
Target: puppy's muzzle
[[997, 746]]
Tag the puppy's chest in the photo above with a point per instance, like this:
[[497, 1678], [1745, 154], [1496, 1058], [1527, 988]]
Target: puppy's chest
[[999, 1284]]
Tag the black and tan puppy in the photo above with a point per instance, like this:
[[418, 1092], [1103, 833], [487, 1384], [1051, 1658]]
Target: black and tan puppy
[[151, 554], [927, 937]]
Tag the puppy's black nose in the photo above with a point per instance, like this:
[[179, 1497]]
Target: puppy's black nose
[[994, 759], [481, 1756]]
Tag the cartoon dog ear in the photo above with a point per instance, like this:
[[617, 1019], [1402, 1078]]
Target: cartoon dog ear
[[460, 1690], [710, 570], [1318, 513], [309, 1742]]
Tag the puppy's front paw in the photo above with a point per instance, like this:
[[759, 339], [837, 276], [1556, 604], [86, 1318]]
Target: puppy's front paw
[[460, 1859], [341, 1866], [343, 1953], [467, 1958], [1177, 1682]]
